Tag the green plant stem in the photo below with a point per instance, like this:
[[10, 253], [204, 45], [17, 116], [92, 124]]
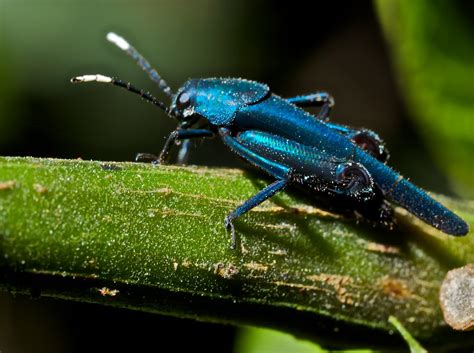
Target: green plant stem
[[152, 238], [414, 346]]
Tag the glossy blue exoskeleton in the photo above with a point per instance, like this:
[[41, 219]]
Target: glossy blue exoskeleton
[[343, 168]]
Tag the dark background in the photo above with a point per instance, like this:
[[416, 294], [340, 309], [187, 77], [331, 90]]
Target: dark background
[[295, 47]]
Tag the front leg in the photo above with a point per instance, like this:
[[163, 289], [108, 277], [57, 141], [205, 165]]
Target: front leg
[[178, 134], [183, 153], [181, 134]]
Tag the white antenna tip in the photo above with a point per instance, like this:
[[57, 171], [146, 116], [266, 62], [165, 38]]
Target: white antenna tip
[[91, 78], [118, 41]]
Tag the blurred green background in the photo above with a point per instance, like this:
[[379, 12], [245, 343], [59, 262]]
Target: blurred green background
[[413, 87]]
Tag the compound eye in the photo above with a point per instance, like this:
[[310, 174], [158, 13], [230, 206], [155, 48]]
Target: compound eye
[[183, 101]]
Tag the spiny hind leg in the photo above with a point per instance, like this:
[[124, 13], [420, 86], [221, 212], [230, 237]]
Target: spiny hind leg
[[254, 201], [281, 172]]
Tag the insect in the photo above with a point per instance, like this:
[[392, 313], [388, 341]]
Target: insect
[[343, 168]]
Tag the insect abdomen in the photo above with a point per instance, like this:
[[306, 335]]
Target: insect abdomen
[[426, 208], [404, 193]]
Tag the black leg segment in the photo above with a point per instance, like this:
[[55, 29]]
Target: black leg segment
[[146, 158], [324, 112], [183, 154], [312, 100], [181, 134]]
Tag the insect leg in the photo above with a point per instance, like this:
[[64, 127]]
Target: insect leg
[[365, 139], [337, 184], [340, 176], [183, 153], [370, 142], [323, 114], [181, 134], [254, 201], [275, 169], [281, 172], [323, 100], [175, 135], [326, 102], [146, 158], [316, 99]]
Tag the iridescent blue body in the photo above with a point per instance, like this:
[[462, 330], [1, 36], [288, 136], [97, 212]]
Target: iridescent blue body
[[290, 144], [342, 168]]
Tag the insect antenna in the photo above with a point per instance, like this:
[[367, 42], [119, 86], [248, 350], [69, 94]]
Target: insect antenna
[[141, 61], [126, 85]]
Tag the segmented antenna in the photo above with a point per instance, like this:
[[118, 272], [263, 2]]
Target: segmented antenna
[[141, 61], [126, 85]]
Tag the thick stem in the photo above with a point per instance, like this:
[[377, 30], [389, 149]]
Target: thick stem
[[153, 239]]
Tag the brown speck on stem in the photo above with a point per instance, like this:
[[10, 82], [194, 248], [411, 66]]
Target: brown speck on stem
[[382, 248], [107, 292], [254, 266], [395, 287], [331, 279], [339, 283], [225, 271], [301, 287], [40, 189], [165, 190], [278, 252], [456, 298], [7, 185]]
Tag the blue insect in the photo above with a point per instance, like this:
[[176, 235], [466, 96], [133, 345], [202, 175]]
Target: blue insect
[[343, 168]]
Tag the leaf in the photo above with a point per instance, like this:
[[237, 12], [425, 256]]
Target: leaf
[[152, 238], [255, 340], [258, 340], [432, 51], [415, 347]]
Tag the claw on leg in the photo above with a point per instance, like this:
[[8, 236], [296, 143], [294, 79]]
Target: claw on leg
[[230, 226], [147, 158]]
